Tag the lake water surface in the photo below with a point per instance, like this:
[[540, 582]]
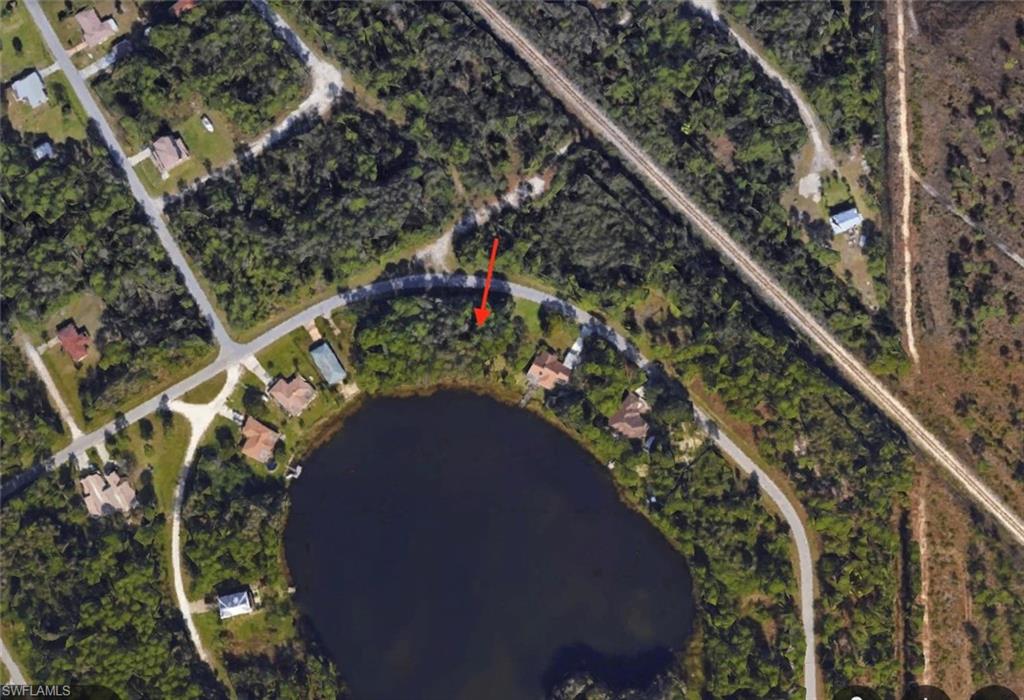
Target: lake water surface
[[451, 547]]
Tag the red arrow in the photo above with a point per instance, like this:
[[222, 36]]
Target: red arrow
[[482, 312]]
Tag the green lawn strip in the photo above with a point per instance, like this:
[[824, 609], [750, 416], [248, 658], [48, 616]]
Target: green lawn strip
[[208, 625], [57, 121], [288, 355], [207, 391], [16, 24], [150, 177], [65, 376]]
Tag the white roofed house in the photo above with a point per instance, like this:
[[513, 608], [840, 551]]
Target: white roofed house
[[845, 220], [234, 604], [30, 90]]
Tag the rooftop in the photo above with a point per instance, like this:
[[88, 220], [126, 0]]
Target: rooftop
[[327, 363], [74, 340], [294, 394], [547, 372], [628, 421], [95, 30], [845, 220], [167, 152], [233, 604], [30, 89], [105, 496], [259, 440]]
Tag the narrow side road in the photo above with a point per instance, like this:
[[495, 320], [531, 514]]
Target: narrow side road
[[803, 545], [903, 148], [13, 670], [151, 206], [56, 400], [760, 281]]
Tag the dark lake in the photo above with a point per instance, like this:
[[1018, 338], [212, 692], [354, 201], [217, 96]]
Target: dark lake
[[454, 547]]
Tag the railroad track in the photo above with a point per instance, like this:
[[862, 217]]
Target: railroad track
[[763, 283]]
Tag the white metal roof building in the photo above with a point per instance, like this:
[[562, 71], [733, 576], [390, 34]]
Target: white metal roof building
[[845, 220], [30, 89], [234, 604], [327, 363]]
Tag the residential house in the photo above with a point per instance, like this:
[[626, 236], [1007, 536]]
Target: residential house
[[629, 421], [95, 31], [234, 604], [327, 363], [104, 496], [182, 6], [845, 220], [167, 152], [74, 340], [43, 150], [294, 394], [547, 372], [258, 440], [30, 90]]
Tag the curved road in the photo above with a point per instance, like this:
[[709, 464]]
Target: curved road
[[762, 283], [426, 282]]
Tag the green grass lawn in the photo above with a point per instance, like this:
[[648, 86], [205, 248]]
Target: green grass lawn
[[124, 12], [207, 391], [164, 452], [209, 151], [65, 375], [56, 121], [85, 308], [16, 24], [288, 355]]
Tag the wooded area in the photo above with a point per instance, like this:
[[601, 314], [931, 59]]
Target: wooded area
[[73, 227], [310, 211], [694, 99], [833, 51], [849, 466], [234, 525], [223, 52], [433, 69], [30, 427], [89, 599]]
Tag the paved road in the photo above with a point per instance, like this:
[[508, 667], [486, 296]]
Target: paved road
[[762, 283], [803, 545], [152, 206], [17, 677]]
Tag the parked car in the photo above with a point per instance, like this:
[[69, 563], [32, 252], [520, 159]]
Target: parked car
[[207, 123]]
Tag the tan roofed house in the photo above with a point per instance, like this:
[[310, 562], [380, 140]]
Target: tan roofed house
[[259, 440], [106, 496], [95, 30], [294, 394], [628, 421], [168, 152], [547, 372]]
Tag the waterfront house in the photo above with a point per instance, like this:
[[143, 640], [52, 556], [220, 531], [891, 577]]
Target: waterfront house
[[234, 604], [629, 421], [327, 363], [294, 395], [259, 440], [547, 372]]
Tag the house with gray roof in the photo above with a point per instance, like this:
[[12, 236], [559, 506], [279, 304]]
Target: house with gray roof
[[327, 363], [843, 221], [30, 90], [234, 604]]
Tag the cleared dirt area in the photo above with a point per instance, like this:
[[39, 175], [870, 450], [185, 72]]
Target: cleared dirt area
[[966, 86]]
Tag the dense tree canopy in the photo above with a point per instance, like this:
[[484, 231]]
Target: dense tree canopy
[[73, 227], [848, 464], [30, 426], [458, 95], [222, 51], [90, 597], [697, 102], [315, 208]]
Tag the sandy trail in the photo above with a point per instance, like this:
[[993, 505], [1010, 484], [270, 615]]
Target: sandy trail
[[903, 148]]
